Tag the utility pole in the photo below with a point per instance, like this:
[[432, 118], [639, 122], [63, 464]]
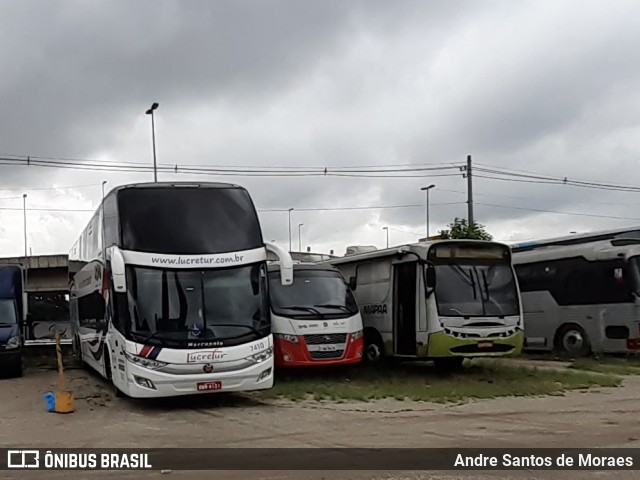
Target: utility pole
[[290, 210], [469, 192], [300, 237]]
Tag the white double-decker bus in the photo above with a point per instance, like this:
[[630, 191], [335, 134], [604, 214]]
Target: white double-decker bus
[[169, 290]]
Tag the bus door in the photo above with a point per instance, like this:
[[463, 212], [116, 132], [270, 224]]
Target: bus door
[[404, 301]]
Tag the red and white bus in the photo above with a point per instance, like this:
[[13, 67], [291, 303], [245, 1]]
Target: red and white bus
[[315, 321]]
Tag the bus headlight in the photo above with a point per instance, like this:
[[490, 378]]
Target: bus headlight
[[286, 337], [144, 362], [261, 356], [14, 342], [356, 335]]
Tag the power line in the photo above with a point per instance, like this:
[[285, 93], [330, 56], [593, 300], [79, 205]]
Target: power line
[[377, 207], [558, 212], [15, 209], [47, 188]]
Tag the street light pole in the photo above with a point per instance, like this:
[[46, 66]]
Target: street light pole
[[299, 237], [387, 229], [426, 189], [153, 139], [290, 210], [104, 242], [24, 214]]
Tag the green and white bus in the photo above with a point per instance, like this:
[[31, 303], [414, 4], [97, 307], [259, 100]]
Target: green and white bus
[[443, 300]]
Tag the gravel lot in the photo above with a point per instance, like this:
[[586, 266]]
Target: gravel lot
[[598, 418]]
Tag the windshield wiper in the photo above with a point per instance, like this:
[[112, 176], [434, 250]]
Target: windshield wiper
[[486, 286], [157, 332], [334, 305], [248, 327], [302, 309]]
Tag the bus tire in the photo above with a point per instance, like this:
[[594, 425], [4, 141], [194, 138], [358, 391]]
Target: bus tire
[[373, 346], [79, 354], [107, 367], [448, 364], [572, 341]]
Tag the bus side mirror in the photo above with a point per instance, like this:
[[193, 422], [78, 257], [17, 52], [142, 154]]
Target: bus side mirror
[[431, 276], [118, 271], [286, 263], [353, 283]]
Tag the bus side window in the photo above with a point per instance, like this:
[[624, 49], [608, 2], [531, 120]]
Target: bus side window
[[597, 282]]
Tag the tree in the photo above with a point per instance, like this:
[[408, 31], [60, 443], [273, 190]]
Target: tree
[[460, 228]]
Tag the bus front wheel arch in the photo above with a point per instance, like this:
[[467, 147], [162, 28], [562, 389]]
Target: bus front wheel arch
[[572, 340], [107, 366], [373, 346]]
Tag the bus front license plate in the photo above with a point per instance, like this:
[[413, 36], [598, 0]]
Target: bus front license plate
[[485, 344], [327, 348], [203, 386]]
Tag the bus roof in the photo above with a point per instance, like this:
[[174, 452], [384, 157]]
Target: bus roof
[[421, 249], [593, 250], [275, 266], [174, 185], [574, 239]]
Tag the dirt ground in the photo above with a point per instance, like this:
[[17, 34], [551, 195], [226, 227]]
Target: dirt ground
[[598, 418]]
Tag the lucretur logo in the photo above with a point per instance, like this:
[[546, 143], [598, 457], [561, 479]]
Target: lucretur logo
[[23, 459]]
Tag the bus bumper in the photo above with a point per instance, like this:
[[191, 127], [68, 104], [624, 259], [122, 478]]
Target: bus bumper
[[141, 380], [289, 354], [444, 345]]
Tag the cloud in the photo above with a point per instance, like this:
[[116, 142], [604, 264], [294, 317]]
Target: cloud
[[541, 87]]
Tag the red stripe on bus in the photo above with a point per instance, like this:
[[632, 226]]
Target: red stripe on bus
[[145, 350]]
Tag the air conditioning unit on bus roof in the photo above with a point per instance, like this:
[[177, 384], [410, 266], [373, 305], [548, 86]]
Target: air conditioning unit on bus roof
[[356, 249]]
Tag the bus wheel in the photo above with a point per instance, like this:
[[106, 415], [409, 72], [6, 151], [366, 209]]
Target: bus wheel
[[79, 351], [571, 340], [107, 367], [373, 346], [447, 364]]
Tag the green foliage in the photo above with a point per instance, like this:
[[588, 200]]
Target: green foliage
[[460, 228]]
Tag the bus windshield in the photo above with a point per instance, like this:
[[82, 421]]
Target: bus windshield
[[188, 220], [186, 306], [319, 293], [465, 290]]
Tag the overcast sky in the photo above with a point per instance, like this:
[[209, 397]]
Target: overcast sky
[[543, 87]]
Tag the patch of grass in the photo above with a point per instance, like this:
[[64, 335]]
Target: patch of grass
[[419, 381], [610, 365]]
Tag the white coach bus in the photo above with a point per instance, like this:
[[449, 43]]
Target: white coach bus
[[444, 301], [581, 294], [169, 293]]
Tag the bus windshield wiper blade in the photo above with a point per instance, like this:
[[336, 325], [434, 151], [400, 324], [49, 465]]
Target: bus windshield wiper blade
[[155, 334], [486, 286], [302, 309], [334, 305], [248, 327]]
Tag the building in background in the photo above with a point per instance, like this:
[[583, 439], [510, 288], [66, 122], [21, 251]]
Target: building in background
[[47, 287]]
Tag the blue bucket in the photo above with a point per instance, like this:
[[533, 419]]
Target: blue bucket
[[50, 400]]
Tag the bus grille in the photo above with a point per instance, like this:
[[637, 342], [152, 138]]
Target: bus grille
[[327, 355], [325, 339]]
